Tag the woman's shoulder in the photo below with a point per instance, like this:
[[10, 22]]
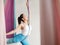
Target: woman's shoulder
[[20, 25]]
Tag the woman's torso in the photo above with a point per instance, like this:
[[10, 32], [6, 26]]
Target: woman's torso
[[25, 31]]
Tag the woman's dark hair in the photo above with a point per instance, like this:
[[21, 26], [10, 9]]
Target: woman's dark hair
[[20, 19]]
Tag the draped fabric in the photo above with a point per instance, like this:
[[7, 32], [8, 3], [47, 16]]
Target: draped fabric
[[56, 6], [9, 16], [2, 24], [47, 23], [56, 22]]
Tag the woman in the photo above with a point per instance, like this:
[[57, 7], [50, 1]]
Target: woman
[[23, 26]]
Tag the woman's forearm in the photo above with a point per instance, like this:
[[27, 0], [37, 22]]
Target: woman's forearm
[[11, 32]]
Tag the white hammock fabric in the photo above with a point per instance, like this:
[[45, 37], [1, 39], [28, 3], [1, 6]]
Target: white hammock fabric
[[2, 24]]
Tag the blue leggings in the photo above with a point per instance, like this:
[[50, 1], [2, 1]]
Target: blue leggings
[[18, 38]]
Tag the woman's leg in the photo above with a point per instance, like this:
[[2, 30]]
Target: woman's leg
[[16, 39], [25, 42], [10, 41]]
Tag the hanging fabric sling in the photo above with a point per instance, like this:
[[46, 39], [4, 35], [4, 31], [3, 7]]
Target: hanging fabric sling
[[9, 16], [2, 24]]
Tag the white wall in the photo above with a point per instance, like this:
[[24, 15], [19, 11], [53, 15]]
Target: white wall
[[2, 24], [35, 21]]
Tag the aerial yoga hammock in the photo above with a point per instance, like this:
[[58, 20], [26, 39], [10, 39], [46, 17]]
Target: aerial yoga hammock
[[24, 23], [9, 16], [2, 24]]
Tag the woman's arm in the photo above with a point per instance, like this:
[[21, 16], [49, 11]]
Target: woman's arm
[[13, 31]]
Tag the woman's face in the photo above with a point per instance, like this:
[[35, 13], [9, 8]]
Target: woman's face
[[25, 17]]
